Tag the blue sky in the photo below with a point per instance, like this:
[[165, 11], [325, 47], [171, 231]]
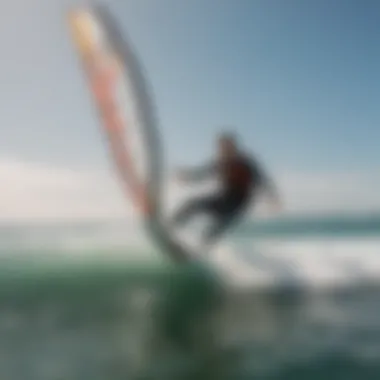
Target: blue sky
[[299, 80]]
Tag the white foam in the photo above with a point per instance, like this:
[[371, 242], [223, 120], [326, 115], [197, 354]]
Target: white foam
[[316, 262]]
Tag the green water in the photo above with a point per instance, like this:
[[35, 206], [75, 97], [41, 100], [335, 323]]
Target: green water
[[97, 319], [101, 296], [102, 315]]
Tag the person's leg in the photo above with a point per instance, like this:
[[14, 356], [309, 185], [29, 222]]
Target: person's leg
[[221, 223], [226, 212], [194, 206]]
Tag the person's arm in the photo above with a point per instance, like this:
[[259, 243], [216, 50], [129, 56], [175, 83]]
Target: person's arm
[[267, 185], [270, 189], [198, 174]]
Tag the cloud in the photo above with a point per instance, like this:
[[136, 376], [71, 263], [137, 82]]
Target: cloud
[[330, 192], [35, 191], [32, 191]]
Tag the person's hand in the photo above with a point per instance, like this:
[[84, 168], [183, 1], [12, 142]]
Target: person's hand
[[275, 205]]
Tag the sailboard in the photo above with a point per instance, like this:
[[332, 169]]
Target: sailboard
[[126, 113]]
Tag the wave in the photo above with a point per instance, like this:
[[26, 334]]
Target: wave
[[242, 259]]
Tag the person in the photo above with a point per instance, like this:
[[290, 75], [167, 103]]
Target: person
[[240, 176]]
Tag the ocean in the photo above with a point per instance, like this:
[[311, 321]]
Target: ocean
[[295, 298]]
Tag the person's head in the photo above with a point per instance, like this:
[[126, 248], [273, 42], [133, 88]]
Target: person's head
[[227, 145]]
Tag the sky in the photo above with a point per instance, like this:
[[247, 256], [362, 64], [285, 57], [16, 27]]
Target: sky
[[298, 80]]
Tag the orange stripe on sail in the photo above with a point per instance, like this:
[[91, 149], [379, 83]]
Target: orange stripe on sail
[[103, 71], [103, 84]]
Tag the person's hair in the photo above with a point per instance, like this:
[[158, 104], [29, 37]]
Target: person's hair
[[228, 136]]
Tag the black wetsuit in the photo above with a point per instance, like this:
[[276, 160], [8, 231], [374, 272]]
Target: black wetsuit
[[240, 177]]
